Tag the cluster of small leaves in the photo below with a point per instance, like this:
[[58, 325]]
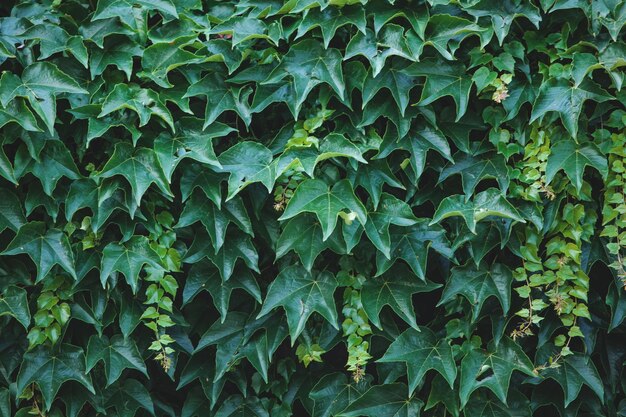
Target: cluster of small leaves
[[312, 207]]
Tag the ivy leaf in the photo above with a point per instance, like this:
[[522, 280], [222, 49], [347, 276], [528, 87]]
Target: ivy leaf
[[238, 246], [118, 53], [560, 96], [191, 141], [384, 400], [215, 219], [55, 162], [16, 111], [575, 371], [308, 64], [572, 158], [445, 33], [117, 354], [161, 58], [247, 163], [238, 406], [198, 177], [113, 8], [201, 277], [303, 235], [11, 212], [40, 83], [418, 142], [483, 405], [499, 363], [487, 203], [14, 302], [127, 397], [476, 285], [301, 293], [128, 258], [314, 196], [333, 393], [330, 19], [49, 370], [443, 78], [46, 247], [502, 14], [373, 177], [391, 41], [140, 167], [473, 169], [220, 98], [143, 101], [391, 211], [394, 78], [412, 244], [422, 351], [332, 146], [395, 289]]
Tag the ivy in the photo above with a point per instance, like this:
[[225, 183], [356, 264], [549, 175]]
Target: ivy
[[313, 207]]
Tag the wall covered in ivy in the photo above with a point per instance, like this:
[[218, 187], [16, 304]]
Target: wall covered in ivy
[[318, 208]]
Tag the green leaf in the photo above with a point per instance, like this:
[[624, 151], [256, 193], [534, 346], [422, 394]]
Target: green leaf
[[46, 247], [391, 41], [161, 58], [303, 235], [127, 397], [476, 285], [572, 158], [333, 393], [492, 369], [11, 212], [55, 161], [395, 79], [473, 169], [40, 83], [373, 178], [238, 406], [247, 162], [190, 141], [49, 370], [412, 245], [16, 111], [203, 277], [308, 64], [301, 293], [145, 102], [314, 196], [128, 258], [238, 246], [14, 302], [443, 78], [140, 167], [117, 354], [487, 203], [119, 53], [220, 97], [395, 289], [418, 142], [422, 351], [113, 8], [390, 211], [215, 219], [384, 400], [574, 371], [330, 19], [502, 14], [560, 96]]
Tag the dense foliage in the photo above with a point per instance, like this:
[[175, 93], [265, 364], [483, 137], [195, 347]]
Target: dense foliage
[[312, 207]]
